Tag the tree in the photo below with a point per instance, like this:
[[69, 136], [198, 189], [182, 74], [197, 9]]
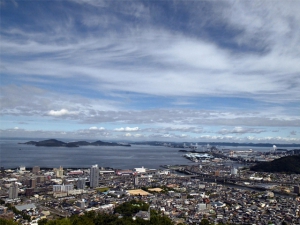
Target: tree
[[204, 222], [7, 222], [42, 222], [130, 208]]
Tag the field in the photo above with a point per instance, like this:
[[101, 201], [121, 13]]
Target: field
[[138, 192]]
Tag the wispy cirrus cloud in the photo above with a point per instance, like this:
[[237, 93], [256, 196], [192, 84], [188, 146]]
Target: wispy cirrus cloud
[[181, 58]]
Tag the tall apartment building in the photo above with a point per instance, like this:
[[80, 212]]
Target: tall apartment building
[[136, 181], [94, 176], [81, 183], [13, 191], [36, 170]]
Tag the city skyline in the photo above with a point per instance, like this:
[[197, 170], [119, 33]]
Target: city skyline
[[186, 71]]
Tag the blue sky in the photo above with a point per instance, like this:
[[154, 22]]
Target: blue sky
[[151, 70]]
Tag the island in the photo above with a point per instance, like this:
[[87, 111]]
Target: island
[[57, 143]]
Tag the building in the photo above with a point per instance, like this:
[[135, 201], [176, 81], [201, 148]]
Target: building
[[29, 192], [13, 191], [201, 206], [36, 169], [136, 181], [63, 188], [22, 169], [233, 171], [81, 183], [32, 183], [59, 172], [41, 179], [94, 176], [140, 170], [107, 172], [184, 196], [3, 210], [81, 204], [125, 172], [26, 207], [75, 172]]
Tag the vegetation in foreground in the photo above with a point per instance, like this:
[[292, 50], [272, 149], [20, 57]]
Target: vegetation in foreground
[[122, 216]]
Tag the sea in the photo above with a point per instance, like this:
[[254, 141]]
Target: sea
[[13, 155]]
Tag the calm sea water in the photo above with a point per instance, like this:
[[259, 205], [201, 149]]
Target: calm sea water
[[13, 155]]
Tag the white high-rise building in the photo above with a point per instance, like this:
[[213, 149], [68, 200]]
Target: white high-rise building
[[13, 191], [94, 176]]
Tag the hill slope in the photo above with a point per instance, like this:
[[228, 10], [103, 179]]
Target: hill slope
[[289, 164]]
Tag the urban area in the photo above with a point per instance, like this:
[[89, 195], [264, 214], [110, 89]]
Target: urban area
[[211, 187]]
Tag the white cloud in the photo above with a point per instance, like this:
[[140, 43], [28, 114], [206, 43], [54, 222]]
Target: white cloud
[[61, 112], [96, 128], [127, 129], [265, 23]]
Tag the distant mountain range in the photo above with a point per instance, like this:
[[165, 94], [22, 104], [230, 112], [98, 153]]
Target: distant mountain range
[[56, 143], [288, 164]]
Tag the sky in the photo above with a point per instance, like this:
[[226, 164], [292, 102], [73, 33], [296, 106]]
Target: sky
[[184, 71]]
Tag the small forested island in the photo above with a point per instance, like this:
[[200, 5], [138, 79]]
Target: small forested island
[[289, 164], [56, 143]]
